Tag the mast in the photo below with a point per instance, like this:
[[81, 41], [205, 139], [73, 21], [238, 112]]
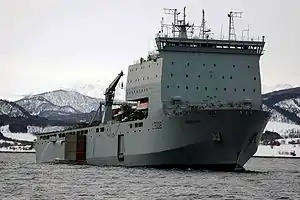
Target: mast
[[203, 30], [231, 29]]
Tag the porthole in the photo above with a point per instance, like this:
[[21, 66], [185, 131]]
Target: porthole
[[186, 75], [233, 66], [203, 65], [210, 76], [230, 77], [177, 86], [197, 88], [248, 66], [254, 78], [171, 75], [244, 90], [223, 77], [198, 76], [216, 89], [188, 64], [187, 87], [156, 75], [205, 88], [253, 90], [235, 89], [168, 86], [172, 63], [224, 89], [214, 65], [149, 66]]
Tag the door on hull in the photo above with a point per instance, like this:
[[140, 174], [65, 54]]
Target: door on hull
[[121, 148]]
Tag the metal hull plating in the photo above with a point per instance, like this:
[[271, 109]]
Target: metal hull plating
[[186, 141]]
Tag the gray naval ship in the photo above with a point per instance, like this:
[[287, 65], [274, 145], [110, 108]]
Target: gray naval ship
[[194, 103]]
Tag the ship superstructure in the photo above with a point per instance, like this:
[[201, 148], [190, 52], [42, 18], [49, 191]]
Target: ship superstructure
[[197, 103]]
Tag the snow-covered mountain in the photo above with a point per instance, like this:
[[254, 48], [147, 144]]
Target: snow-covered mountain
[[67, 100], [39, 105], [11, 109], [284, 105]]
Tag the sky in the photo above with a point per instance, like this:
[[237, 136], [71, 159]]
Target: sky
[[47, 45]]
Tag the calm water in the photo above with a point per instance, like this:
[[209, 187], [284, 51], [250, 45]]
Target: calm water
[[21, 178]]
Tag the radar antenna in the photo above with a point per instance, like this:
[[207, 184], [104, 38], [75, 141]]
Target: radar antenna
[[231, 15]]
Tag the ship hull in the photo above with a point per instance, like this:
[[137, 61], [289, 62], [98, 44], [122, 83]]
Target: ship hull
[[222, 139]]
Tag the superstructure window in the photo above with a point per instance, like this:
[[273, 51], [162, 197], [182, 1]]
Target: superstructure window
[[97, 130]]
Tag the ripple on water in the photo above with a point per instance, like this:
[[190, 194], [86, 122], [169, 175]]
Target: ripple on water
[[22, 178]]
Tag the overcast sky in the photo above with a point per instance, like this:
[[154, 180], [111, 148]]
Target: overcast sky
[[46, 45]]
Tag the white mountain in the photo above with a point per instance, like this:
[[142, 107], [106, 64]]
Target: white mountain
[[68, 101]]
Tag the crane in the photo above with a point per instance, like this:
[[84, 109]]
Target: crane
[[109, 98]]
